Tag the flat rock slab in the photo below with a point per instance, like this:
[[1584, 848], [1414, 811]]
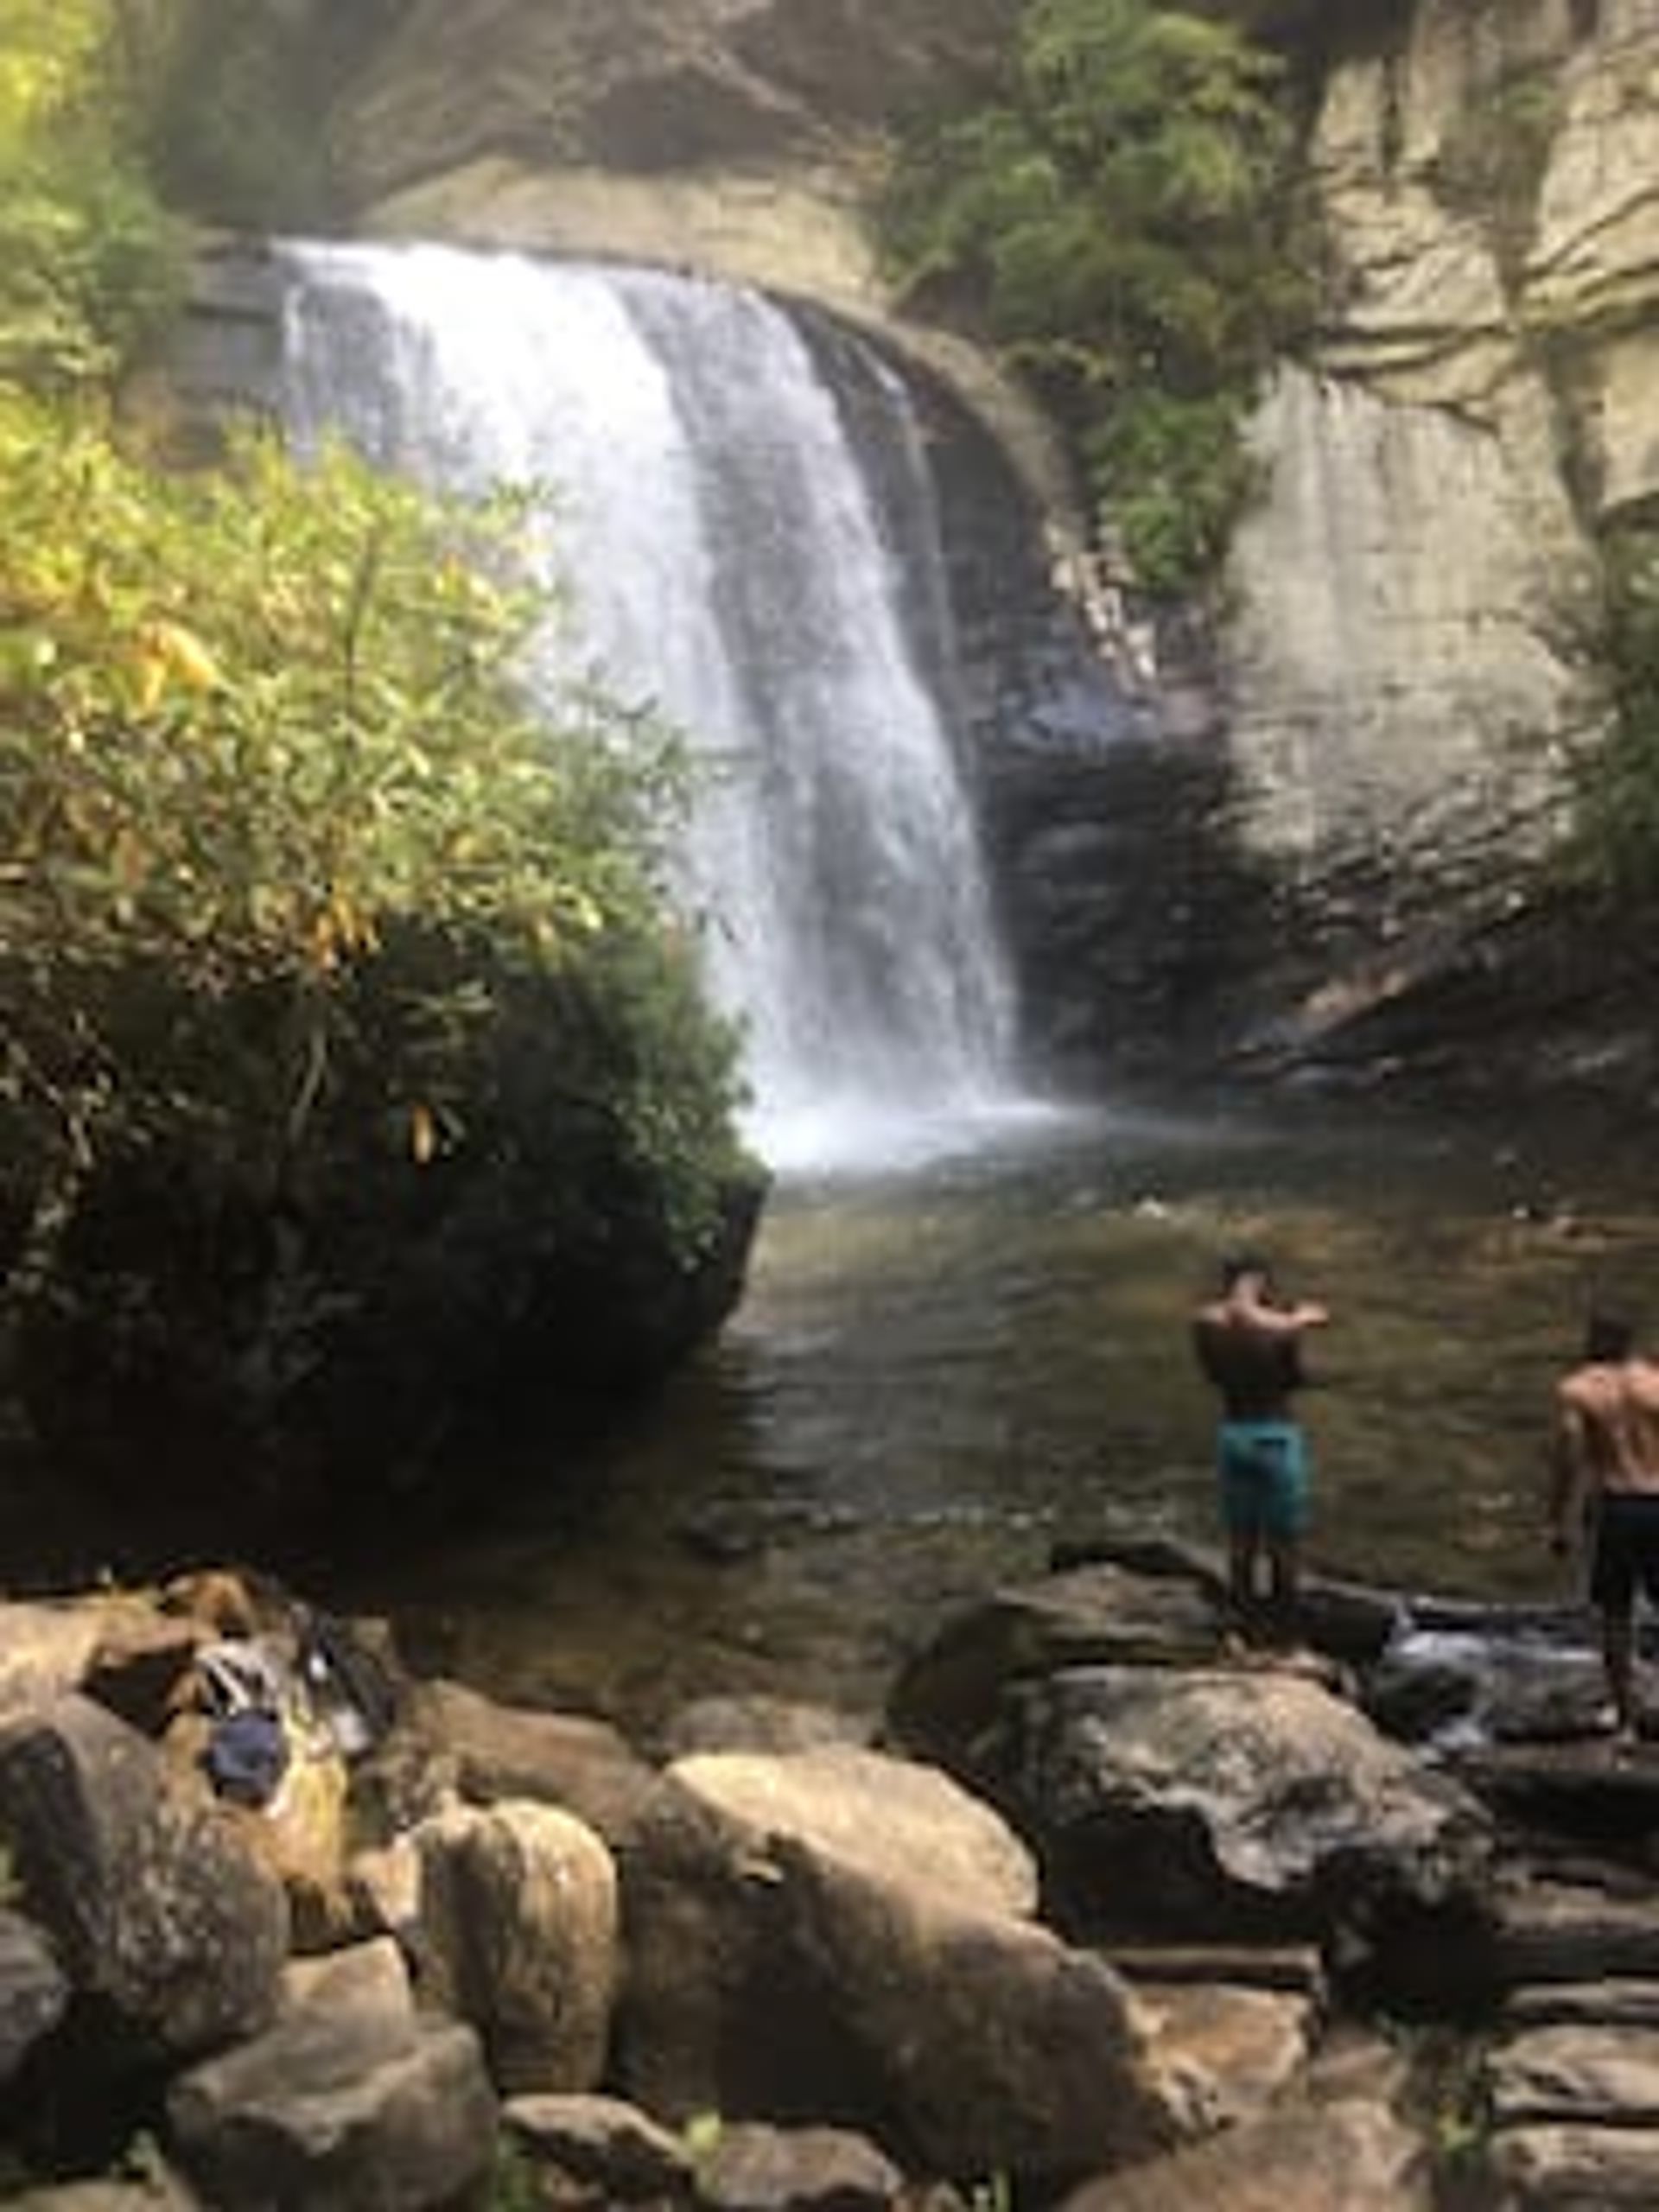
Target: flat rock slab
[[1592, 1784], [1611, 2002], [1566, 1933], [1605, 2076], [1574, 2169]]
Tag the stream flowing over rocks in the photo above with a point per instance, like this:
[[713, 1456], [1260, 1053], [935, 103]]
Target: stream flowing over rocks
[[1106, 1911]]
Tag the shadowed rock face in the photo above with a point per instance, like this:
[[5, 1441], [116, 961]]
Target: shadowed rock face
[[651, 85]]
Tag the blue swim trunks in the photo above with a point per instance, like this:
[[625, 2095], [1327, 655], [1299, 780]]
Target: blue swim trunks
[[1261, 1466]]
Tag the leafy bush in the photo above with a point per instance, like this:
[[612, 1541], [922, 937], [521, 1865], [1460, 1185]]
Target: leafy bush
[[89, 265], [1121, 222], [256, 729]]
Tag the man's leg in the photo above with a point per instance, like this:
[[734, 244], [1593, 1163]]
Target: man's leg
[[1243, 1544], [1284, 1562], [1618, 1657]]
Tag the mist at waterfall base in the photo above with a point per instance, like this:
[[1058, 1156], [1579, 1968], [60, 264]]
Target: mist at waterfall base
[[774, 587]]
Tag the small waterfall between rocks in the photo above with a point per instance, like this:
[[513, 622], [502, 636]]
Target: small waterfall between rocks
[[738, 560]]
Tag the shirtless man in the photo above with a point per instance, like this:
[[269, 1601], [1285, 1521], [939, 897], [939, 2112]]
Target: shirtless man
[[1605, 1478], [1250, 1347]]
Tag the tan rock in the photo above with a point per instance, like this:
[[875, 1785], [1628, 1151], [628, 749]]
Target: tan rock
[[518, 1936], [841, 1915]]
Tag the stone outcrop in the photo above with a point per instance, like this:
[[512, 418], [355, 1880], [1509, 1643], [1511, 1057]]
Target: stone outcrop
[[848, 1985]]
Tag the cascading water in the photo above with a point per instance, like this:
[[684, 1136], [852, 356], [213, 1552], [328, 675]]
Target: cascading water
[[730, 563]]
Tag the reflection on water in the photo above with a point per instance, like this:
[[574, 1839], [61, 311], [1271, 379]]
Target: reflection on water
[[939, 1374]]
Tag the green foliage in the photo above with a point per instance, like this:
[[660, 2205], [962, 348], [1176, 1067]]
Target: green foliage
[[89, 265], [1120, 223], [513, 2185], [1616, 843], [260, 732]]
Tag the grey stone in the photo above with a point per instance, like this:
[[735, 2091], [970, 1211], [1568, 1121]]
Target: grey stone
[[1209, 1806], [359, 2108], [151, 1902]]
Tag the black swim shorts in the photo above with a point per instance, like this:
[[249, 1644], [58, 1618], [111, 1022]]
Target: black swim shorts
[[1627, 1551]]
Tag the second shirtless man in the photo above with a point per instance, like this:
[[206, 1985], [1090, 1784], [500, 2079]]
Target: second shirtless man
[[1605, 1481]]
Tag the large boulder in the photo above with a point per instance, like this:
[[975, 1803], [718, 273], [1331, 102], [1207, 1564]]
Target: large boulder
[[517, 1935], [1212, 1804], [350, 2102], [165, 1925], [845, 1937]]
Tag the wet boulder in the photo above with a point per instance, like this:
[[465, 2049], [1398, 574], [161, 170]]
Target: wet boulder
[[843, 1936], [159, 1915], [518, 1936], [1211, 1805], [350, 2100], [946, 1699]]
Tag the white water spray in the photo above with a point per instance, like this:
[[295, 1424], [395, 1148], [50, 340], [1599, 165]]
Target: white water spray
[[731, 565]]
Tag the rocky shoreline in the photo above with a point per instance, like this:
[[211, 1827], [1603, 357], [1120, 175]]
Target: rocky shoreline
[[1107, 1912]]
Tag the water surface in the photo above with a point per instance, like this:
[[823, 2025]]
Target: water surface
[[939, 1373]]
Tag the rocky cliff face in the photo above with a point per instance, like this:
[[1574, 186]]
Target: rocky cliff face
[[1486, 400], [1376, 759]]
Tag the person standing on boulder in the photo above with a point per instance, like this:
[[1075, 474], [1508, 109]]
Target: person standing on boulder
[[1605, 1483], [1250, 1346]]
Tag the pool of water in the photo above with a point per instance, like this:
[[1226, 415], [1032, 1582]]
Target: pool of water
[[939, 1373]]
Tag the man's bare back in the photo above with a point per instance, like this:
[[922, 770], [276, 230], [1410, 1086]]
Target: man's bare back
[[1608, 1412], [1250, 1350]]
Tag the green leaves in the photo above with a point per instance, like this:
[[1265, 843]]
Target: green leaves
[[257, 725], [1122, 221]]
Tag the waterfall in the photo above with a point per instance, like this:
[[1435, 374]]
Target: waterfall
[[735, 563]]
